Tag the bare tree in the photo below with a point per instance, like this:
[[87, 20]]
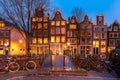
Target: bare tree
[[78, 13], [19, 13]]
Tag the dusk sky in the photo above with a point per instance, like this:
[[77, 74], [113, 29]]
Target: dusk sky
[[109, 8]]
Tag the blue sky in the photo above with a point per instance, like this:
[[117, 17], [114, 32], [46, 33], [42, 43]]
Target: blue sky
[[109, 8]]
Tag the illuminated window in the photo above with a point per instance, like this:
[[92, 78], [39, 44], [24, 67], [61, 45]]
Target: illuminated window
[[1, 42], [34, 40], [1, 50], [63, 39], [63, 31], [33, 26], [39, 25], [58, 30], [45, 26], [57, 38], [57, 23], [52, 39], [2, 24], [33, 19], [6, 41], [73, 26], [62, 23], [45, 40], [52, 23], [95, 43], [103, 48], [40, 40]]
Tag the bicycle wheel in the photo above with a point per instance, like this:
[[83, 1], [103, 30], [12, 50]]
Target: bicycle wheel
[[14, 67], [30, 65]]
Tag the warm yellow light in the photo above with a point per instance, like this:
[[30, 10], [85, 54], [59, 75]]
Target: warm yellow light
[[20, 41], [6, 44], [68, 44]]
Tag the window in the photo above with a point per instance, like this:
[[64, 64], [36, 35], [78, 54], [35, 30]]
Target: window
[[45, 32], [57, 23], [57, 38], [6, 41], [45, 40], [96, 29], [95, 43], [1, 33], [115, 35], [115, 28], [103, 48], [110, 35], [111, 42], [45, 19], [39, 25], [73, 26], [62, 23], [39, 19], [45, 26], [33, 19], [34, 40], [52, 38], [63, 31], [103, 36], [69, 33], [103, 29], [33, 26], [58, 30], [53, 30], [52, 23], [2, 24], [39, 32], [96, 36], [7, 33], [63, 39], [39, 40], [1, 50]]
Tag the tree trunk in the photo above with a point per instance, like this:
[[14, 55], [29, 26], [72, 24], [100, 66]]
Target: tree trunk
[[27, 45]]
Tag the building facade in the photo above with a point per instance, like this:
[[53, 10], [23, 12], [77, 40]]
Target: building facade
[[12, 41], [57, 33], [73, 35], [113, 35], [40, 32], [86, 40], [99, 35]]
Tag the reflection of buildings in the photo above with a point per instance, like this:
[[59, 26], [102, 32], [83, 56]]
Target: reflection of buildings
[[99, 35], [113, 35], [11, 40]]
